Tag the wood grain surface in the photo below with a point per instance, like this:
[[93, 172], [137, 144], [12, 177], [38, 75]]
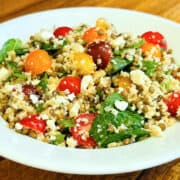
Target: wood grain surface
[[12, 8]]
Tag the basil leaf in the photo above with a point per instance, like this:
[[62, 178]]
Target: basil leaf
[[21, 51], [39, 107]]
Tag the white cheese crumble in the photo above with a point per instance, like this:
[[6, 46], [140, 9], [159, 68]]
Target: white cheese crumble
[[71, 142], [34, 98], [75, 109], [4, 74], [139, 77], [121, 105], [118, 42], [71, 96], [44, 35], [18, 126], [51, 124], [112, 110], [86, 81]]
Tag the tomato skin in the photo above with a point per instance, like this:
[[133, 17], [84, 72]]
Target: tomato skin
[[28, 89], [34, 122], [62, 31], [72, 83], [37, 62], [100, 51], [173, 102], [83, 124], [155, 38]]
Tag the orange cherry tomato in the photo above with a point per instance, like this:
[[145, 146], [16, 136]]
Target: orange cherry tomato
[[149, 47], [37, 62], [94, 34]]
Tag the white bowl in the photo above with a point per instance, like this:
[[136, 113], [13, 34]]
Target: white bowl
[[140, 155]]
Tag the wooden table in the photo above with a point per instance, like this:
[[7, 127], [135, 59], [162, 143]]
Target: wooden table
[[12, 8]]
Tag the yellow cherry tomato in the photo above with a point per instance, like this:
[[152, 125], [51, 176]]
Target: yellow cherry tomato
[[83, 63], [102, 24], [149, 47], [37, 62]]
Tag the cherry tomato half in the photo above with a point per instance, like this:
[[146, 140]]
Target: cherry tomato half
[[155, 38], [71, 83], [173, 103], [80, 132], [28, 89], [101, 53], [62, 31], [34, 122]]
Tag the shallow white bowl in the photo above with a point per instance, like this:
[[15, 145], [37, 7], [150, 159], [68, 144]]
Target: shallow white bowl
[[141, 155]]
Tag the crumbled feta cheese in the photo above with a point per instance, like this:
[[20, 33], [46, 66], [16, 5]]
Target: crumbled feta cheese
[[71, 96], [4, 74], [75, 109], [51, 124], [121, 105], [61, 100], [34, 98], [139, 77], [18, 126], [112, 110], [77, 47], [86, 81], [71, 142], [35, 82], [118, 42], [44, 35], [43, 116]]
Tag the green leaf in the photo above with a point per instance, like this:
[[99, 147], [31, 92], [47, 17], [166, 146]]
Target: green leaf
[[100, 127], [118, 64], [21, 51], [150, 66], [99, 93], [138, 44], [67, 123], [110, 100], [16, 72], [44, 82], [9, 45], [39, 107], [59, 139]]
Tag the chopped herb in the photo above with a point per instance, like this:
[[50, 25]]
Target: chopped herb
[[59, 139], [39, 107], [150, 67], [166, 83], [67, 123], [44, 82], [9, 45]]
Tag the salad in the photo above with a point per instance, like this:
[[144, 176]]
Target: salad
[[89, 86]]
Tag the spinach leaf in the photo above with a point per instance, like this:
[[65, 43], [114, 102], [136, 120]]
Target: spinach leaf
[[16, 72], [138, 44], [118, 64], [9, 45], [110, 100], [21, 51], [44, 82], [150, 67]]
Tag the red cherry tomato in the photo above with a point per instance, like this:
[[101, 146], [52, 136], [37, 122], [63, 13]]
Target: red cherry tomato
[[28, 89], [35, 123], [62, 31], [155, 38], [101, 53], [80, 132], [71, 83], [173, 103]]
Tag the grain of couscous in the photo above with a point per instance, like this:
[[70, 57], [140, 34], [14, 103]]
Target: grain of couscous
[[89, 87]]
